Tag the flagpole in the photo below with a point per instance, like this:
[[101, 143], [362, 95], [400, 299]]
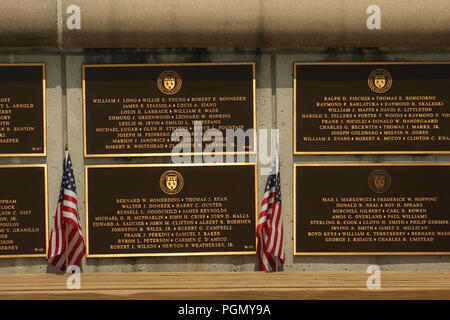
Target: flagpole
[[65, 222], [277, 164], [67, 248]]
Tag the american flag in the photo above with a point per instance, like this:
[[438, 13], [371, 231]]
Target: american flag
[[66, 247], [270, 223]]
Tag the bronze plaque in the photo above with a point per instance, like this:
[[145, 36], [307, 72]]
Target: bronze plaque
[[161, 210], [132, 110], [23, 211], [358, 108], [22, 110], [371, 209]]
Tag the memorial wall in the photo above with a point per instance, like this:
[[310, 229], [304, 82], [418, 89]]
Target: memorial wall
[[364, 140]]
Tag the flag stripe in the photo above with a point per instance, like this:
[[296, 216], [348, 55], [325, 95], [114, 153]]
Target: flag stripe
[[67, 246], [269, 230]]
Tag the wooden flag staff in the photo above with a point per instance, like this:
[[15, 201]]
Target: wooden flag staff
[[65, 222]]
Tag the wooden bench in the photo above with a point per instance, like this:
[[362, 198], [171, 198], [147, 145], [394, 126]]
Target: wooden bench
[[229, 285]]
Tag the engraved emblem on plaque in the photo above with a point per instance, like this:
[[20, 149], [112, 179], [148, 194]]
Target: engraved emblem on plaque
[[171, 182], [380, 181], [169, 82], [380, 80]]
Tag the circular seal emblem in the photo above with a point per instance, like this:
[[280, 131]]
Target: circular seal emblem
[[379, 181], [171, 182], [169, 82], [380, 80]]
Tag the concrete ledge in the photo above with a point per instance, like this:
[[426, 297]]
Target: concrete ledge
[[227, 23], [28, 23], [229, 285]]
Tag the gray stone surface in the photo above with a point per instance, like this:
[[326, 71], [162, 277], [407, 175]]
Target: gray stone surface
[[284, 96], [74, 103], [274, 70], [55, 148], [225, 24], [26, 23]]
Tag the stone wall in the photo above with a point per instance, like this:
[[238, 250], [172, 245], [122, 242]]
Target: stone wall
[[274, 96]]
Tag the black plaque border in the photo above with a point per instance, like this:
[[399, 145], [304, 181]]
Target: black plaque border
[[39, 255], [342, 164], [44, 112], [110, 155], [120, 255], [296, 152]]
